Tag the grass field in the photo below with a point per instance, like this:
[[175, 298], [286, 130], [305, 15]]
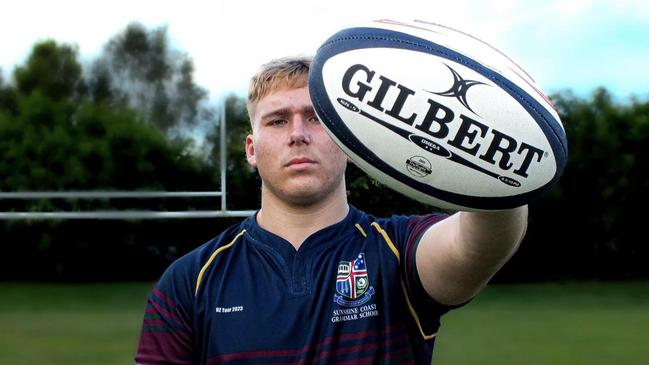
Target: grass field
[[549, 324]]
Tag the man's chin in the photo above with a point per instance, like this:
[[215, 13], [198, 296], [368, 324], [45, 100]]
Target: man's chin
[[303, 195], [304, 198]]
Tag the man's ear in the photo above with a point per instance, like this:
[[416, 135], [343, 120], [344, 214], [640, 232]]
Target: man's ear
[[250, 151]]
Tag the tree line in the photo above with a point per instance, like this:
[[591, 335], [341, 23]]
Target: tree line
[[128, 121]]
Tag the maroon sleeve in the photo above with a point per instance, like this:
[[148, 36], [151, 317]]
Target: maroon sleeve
[[166, 336], [406, 232]]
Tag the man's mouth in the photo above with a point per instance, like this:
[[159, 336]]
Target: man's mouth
[[300, 161]]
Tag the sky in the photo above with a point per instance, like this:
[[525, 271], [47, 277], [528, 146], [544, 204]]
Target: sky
[[573, 45]]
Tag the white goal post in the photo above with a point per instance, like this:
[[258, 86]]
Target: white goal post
[[144, 194]]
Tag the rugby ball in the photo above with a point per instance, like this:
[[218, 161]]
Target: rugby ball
[[437, 115]]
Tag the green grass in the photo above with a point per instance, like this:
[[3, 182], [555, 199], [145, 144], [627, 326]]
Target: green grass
[[549, 324], [47, 324]]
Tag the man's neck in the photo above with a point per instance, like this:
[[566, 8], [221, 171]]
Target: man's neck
[[295, 223]]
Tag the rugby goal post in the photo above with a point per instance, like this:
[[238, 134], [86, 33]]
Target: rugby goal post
[[132, 214]]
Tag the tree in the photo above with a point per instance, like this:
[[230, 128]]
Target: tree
[[587, 226], [53, 136], [57, 140], [138, 68], [8, 97], [51, 69]]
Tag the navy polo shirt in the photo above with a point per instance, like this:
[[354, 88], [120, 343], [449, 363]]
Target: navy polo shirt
[[349, 295]]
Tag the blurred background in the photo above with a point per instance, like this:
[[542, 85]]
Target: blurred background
[[129, 97]]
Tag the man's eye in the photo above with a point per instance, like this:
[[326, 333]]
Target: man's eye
[[277, 122], [314, 119]]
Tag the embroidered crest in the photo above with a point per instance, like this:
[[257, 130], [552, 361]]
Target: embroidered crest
[[352, 283]]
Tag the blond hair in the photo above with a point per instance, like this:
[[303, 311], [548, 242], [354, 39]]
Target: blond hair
[[281, 73]]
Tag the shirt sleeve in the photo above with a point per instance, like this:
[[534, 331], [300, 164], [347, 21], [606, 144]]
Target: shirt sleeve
[[167, 335], [406, 232]]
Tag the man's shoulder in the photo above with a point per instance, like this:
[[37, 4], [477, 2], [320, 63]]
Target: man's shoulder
[[410, 219], [399, 228], [389, 220], [180, 280], [195, 259]]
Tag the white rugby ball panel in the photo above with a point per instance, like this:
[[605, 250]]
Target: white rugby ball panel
[[385, 95], [473, 48], [489, 100], [392, 183]]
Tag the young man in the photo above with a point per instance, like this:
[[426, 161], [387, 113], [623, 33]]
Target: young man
[[310, 279]]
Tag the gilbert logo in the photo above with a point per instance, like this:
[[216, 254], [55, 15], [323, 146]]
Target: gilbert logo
[[435, 121], [459, 88]]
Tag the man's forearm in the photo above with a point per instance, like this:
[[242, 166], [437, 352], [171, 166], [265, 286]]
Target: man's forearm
[[492, 236]]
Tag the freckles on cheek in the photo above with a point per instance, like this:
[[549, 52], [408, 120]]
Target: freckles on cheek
[[326, 141], [334, 149]]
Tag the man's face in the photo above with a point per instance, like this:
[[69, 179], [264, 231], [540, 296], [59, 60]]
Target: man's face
[[296, 159]]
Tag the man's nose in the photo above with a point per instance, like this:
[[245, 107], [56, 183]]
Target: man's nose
[[300, 130]]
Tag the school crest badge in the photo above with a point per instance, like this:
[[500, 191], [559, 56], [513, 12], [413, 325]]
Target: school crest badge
[[352, 283]]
